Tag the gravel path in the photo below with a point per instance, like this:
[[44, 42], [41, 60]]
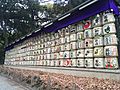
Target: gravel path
[[7, 84]]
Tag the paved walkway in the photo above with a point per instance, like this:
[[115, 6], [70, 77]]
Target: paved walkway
[[7, 84]]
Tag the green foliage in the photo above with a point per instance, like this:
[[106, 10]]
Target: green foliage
[[20, 17]]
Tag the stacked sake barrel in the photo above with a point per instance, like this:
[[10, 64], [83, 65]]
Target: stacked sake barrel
[[89, 43]]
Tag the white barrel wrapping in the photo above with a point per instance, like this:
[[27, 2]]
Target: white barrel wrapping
[[80, 44], [66, 54], [98, 41], [73, 45], [61, 54], [88, 33], [88, 62], [110, 51], [88, 43], [98, 52], [67, 39], [88, 52], [108, 17], [87, 24], [62, 40], [80, 35], [96, 20], [110, 39], [67, 62], [73, 62], [73, 54], [80, 62], [111, 62], [56, 55], [99, 62], [109, 28], [73, 37], [57, 42], [73, 29], [80, 53], [62, 47], [61, 63], [67, 31], [97, 31], [79, 26], [67, 46]]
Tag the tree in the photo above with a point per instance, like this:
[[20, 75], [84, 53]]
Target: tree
[[18, 18]]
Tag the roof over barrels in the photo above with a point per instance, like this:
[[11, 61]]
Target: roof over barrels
[[84, 10]]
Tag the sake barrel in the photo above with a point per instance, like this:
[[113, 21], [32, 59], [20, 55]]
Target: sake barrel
[[87, 24], [52, 36], [61, 32], [49, 50], [98, 52], [52, 55], [62, 40], [61, 62], [57, 42], [66, 46], [99, 62], [96, 20], [110, 39], [88, 33], [73, 37], [80, 53], [79, 26], [56, 55], [110, 51], [57, 35], [97, 31], [88, 43], [57, 48], [52, 43], [66, 54], [108, 17], [61, 54], [73, 62], [47, 62], [80, 35], [80, 62], [80, 44], [73, 54], [98, 41], [88, 52], [67, 62], [49, 44], [48, 56], [73, 45], [45, 39], [52, 49], [111, 62], [73, 29], [62, 48], [52, 63], [109, 28], [46, 44], [67, 39], [67, 31], [88, 62]]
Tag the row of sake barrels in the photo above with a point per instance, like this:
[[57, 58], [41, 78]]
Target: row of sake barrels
[[87, 43], [89, 33], [106, 51], [107, 28], [87, 62]]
